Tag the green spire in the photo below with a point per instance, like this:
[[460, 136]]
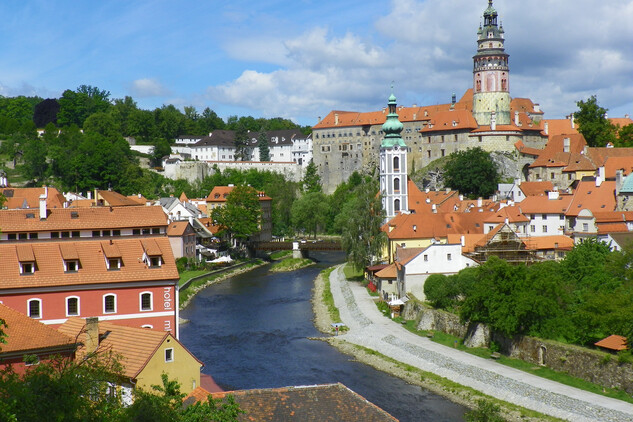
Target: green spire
[[392, 126]]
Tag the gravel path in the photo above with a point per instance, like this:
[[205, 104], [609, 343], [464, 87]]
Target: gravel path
[[370, 329]]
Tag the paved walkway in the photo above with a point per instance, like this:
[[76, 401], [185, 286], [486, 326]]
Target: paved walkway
[[369, 328]]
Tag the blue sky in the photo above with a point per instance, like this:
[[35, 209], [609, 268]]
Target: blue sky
[[301, 59]]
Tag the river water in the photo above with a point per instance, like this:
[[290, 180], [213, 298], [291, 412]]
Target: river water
[[251, 331]]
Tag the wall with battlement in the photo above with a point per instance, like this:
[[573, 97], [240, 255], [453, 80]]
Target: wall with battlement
[[198, 170]]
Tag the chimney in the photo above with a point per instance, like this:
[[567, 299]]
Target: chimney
[[546, 128], [493, 121], [461, 197], [434, 208], [463, 241], [573, 121], [427, 190], [618, 181], [602, 173], [448, 190], [552, 195], [537, 108], [480, 202], [43, 203], [335, 119], [626, 116], [92, 334], [516, 118], [598, 181], [566, 145]]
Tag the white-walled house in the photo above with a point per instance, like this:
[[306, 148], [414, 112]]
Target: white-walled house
[[415, 265]]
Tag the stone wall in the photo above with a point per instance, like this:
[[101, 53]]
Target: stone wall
[[595, 366], [197, 170]]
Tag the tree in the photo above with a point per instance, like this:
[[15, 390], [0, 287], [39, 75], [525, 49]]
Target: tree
[[485, 412], [262, 144], [161, 149], [593, 123], [241, 214], [241, 143], [312, 180], [472, 172], [76, 106], [46, 112], [35, 165], [310, 212], [362, 239], [625, 136]]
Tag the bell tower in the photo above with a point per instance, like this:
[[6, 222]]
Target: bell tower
[[393, 164], [491, 74]]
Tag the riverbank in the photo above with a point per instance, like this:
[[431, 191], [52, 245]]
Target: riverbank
[[454, 392], [290, 264]]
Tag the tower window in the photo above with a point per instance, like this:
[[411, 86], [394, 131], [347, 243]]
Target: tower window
[[396, 184], [396, 163], [396, 205]]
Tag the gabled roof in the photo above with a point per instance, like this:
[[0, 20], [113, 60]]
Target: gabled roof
[[450, 120], [94, 218], [594, 198], [600, 155], [177, 228], [135, 346], [621, 121], [613, 164], [544, 205], [333, 402], [115, 199], [388, 272], [555, 155], [511, 214], [92, 254], [536, 188], [18, 198], [613, 342], [430, 226], [520, 146], [221, 193], [560, 127], [25, 334], [423, 201]]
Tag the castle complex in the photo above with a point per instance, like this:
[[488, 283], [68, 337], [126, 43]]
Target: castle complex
[[485, 116]]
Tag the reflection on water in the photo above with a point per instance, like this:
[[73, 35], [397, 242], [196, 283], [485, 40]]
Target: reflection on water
[[252, 330]]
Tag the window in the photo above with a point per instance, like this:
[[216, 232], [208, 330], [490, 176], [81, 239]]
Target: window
[[71, 266], [114, 264], [116, 232], [396, 205], [169, 355], [65, 234], [27, 268], [533, 228], [54, 235], [145, 231], [76, 234], [449, 257], [544, 216], [136, 231], [154, 261], [109, 304], [35, 308], [105, 233], [146, 301], [22, 236], [561, 217], [30, 360], [396, 163], [426, 258], [443, 153], [396, 184], [544, 229], [585, 227], [96, 233], [12, 236], [33, 236], [72, 306], [156, 230]]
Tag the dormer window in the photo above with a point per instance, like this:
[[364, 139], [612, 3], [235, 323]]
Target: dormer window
[[155, 261], [71, 266], [27, 268], [114, 264]]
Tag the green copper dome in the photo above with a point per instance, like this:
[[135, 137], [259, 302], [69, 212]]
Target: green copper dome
[[392, 127]]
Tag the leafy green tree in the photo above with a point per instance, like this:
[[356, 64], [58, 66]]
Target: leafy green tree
[[170, 122], [35, 164], [241, 214], [122, 111], [103, 124], [262, 144], [362, 238], [142, 126], [161, 149], [45, 112], [76, 106], [309, 212], [440, 290], [311, 179], [472, 172], [625, 136], [593, 124], [208, 122]]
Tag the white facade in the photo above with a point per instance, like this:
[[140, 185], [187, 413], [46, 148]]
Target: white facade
[[393, 180]]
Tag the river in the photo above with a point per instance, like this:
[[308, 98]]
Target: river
[[251, 331]]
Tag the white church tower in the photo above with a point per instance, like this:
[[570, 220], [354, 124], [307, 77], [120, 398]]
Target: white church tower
[[393, 165]]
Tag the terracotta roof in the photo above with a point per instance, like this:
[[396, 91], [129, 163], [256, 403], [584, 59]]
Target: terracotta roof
[[559, 242], [600, 155], [49, 262], [450, 120], [512, 214], [115, 199], [520, 146], [377, 267], [544, 205], [596, 199], [221, 193], [613, 216], [613, 342], [536, 188], [428, 226], [612, 228], [621, 121], [207, 222], [177, 228], [423, 201], [333, 402], [560, 127], [25, 334], [135, 346], [613, 164], [405, 255], [139, 199], [389, 272], [94, 218], [470, 240], [554, 154], [483, 241], [30, 198], [183, 197]]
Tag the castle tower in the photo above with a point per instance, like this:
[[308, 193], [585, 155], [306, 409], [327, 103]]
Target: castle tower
[[393, 164], [491, 74]]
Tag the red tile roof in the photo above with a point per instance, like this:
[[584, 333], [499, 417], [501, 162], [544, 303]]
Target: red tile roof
[[558, 242], [511, 214], [25, 334], [613, 164], [560, 127], [95, 218], [536, 188], [544, 205], [49, 263], [333, 402], [18, 198], [613, 342], [594, 198], [177, 228], [429, 226], [221, 193]]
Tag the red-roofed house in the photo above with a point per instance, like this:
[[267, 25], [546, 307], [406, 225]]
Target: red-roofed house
[[182, 239], [30, 342]]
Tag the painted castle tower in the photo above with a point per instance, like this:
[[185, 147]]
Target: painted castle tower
[[491, 74], [393, 164]]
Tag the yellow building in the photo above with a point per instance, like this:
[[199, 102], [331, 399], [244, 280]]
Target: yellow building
[[144, 354]]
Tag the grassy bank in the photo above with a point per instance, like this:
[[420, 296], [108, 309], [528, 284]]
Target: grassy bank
[[291, 264]]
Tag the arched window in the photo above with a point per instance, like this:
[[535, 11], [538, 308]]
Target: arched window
[[396, 184], [109, 303], [396, 205], [146, 301], [72, 306], [396, 163], [35, 308]]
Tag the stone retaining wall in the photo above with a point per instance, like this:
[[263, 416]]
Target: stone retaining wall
[[595, 366]]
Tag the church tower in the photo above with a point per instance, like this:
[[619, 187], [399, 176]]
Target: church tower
[[491, 74], [393, 164]]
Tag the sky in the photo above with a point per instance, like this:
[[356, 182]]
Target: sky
[[302, 59]]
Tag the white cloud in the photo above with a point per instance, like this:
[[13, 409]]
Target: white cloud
[[148, 87]]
